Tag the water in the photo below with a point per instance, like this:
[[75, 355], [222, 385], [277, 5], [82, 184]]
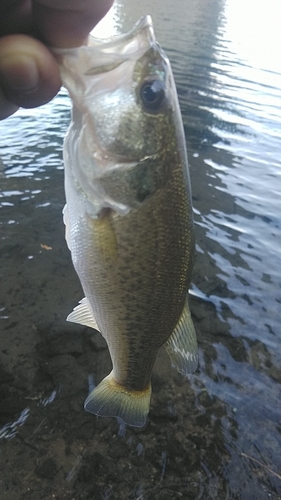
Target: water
[[217, 436]]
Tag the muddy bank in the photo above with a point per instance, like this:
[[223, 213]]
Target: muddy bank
[[52, 449]]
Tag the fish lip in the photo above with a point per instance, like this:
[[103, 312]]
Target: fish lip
[[113, 51], [143, 23], [103, 44]]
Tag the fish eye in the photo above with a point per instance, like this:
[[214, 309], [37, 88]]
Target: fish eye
[[152, 95]]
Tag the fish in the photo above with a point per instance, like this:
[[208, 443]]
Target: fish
[[128, 213]]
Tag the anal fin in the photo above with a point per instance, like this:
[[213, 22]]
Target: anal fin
[[83, 315], [182, 344]]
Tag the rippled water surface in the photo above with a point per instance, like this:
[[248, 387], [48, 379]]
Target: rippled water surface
[[217, 435]]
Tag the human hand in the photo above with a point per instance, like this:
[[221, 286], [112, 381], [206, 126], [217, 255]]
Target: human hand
[[29, 74]]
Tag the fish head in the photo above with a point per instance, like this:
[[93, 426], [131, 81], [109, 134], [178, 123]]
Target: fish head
[[130, 119], [126, 117]]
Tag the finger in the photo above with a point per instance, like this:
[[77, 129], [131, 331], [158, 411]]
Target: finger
[[29, 74], [15, 16], [67, 23], [7, 108]]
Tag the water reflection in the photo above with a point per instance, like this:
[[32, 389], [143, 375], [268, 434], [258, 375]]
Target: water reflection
[[218, 437], [33, 146], [10, 430]]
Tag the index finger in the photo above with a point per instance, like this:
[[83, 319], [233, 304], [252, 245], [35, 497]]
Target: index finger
[[67, 23]]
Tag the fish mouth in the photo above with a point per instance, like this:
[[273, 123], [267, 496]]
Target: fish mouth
[[109, 52], [143, 25]]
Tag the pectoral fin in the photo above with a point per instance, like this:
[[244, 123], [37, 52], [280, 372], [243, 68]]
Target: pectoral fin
[[182, 344], [83, 314]]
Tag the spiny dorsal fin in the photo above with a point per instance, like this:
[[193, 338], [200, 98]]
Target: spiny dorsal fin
[[181, 346], [82, 314]]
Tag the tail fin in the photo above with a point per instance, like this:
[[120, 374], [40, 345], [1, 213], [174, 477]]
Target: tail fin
[[109, 399]]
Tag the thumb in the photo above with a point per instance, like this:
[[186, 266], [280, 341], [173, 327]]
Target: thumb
[[67, 23]]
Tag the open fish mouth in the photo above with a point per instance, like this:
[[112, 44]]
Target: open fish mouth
[[110, 53]]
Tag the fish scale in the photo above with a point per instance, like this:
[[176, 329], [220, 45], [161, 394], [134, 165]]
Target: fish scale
[[128, 215]]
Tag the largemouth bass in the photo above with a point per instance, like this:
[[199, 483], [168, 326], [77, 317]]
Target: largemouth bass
[[128, 213]]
